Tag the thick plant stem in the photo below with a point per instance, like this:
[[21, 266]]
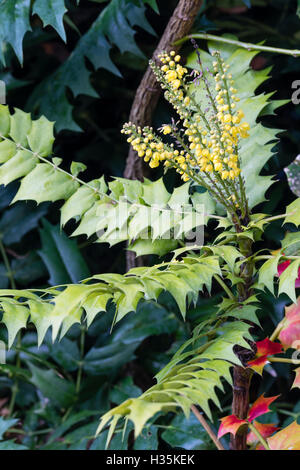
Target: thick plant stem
[[242, 376], [240, 404]]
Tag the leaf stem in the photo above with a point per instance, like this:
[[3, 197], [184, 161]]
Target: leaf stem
[[259, 436], [80, 366], [276, 331], [223, 285], [244, 45], [7, 265], [207, 428], [285, 360], [15, 387]]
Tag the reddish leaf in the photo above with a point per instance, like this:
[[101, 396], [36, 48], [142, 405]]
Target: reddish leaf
[[282, 267], [268, 348], [296, 383], [265, 348], [265, 430], [289, 336], [286, 439], [260, 407], [230, 424], [258, 364]]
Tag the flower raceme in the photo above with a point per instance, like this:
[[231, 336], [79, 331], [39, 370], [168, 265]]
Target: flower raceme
[[207, 141]]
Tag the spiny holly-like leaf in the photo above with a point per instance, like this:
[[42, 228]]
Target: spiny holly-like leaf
[[51, 13], [15, 317], [289, 335], [264, 429], [293, 213], [260, 407], [296, 383], [62, 308], [145, 214], [267, 273], [286, 439], [114, 26], [291, 244], [265, 348], [283, 266], [287, 280], [14, 20], [230, 424], [189, 378]]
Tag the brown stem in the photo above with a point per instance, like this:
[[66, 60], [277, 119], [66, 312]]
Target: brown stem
[[242, 376], [240, 404], [149, 90]]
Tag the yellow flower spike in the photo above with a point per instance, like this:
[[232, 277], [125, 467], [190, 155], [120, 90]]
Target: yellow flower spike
[[224, 174], [153, 164], [212, 143], [167, 129], [176, 84], [171, 75], [227, 118]]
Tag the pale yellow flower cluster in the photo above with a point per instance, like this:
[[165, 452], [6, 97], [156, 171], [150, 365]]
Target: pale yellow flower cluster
[[208, 142]]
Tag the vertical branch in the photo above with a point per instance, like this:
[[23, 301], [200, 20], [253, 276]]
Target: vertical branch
[[242, 376], [149, 90], [240, 404]]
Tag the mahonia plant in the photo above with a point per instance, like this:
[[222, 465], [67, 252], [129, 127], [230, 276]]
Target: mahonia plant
[[220, 145]]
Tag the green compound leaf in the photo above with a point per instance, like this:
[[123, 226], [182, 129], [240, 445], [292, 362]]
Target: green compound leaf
[[145, 214], [190, 378], [15, 21], [62, 308], [51, 13], [113, 27]]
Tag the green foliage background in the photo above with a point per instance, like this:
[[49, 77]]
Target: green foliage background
[[87, 85]]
